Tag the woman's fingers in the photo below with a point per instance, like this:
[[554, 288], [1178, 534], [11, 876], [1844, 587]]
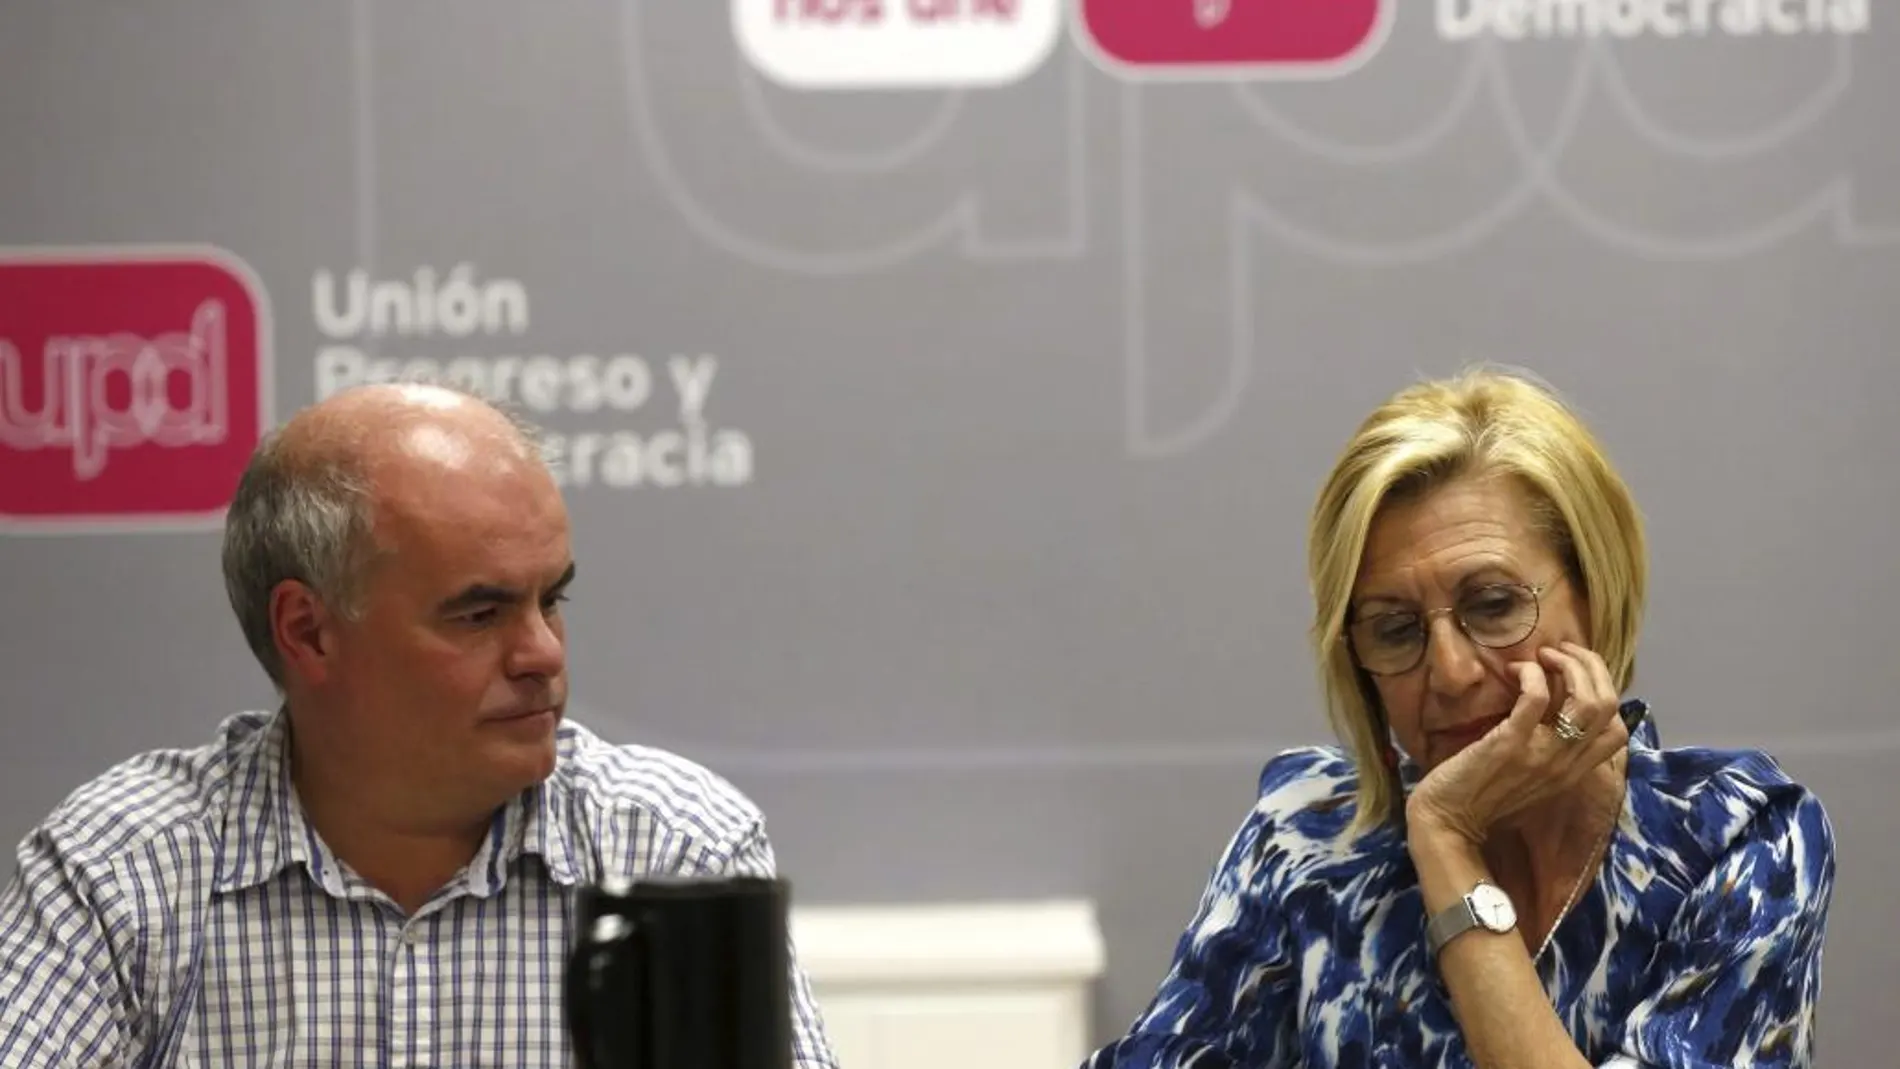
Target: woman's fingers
[[1588, 707], [1594, 708], [1533, 696], [1599, 669]]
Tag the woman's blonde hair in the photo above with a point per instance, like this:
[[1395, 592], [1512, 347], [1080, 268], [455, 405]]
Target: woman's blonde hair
[[1481, 422]]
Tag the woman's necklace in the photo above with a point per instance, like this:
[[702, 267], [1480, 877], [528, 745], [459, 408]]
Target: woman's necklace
[[1589, 867]]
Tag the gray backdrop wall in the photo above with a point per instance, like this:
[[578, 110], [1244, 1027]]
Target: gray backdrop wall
[[943, 403]]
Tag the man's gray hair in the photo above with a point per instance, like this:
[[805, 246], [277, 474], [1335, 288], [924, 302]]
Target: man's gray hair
[[293, 517], [306, 514]]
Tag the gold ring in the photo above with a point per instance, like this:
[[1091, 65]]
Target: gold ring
[[1567, 728]]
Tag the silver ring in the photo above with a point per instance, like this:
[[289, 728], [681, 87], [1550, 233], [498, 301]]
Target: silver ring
[[1567, 728]]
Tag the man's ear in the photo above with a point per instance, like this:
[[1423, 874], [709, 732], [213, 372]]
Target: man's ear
[[304, 630]]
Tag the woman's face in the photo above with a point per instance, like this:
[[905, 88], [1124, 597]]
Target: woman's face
[[1470, 543]]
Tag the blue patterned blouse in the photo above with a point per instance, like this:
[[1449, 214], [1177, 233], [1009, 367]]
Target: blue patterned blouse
[[1698, 945]]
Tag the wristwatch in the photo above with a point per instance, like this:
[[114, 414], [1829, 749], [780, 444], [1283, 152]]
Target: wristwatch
[[1487, 907]]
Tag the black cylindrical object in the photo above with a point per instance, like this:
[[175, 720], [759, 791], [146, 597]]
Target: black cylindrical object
[[681, 973]]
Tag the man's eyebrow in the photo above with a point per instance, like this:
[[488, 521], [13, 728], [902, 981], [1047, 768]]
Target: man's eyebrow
[[480, 595]]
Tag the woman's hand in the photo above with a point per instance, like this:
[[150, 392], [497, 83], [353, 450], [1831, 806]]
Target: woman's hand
[[1524, 761]]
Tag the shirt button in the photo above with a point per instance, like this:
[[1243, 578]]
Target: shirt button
[[412, 937]]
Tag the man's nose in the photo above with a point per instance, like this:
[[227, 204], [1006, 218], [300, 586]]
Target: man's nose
[[539, 649]]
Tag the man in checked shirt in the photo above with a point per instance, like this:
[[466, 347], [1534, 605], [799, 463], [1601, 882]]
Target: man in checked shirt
[[378, 874]]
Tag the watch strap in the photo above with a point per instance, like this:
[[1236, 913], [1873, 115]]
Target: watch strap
[[1452, 921]]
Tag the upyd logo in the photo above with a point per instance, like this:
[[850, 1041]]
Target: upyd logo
[[133, 386]]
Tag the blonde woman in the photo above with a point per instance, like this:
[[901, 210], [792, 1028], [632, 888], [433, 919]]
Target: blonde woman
[[1494, 869]]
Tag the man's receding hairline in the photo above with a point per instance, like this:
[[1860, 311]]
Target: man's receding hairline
[[360, 441], [357, 429]]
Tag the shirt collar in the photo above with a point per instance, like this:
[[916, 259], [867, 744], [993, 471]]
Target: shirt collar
[[531, 824], [264, 829]]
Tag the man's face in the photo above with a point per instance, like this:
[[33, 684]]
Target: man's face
[[453, 678]]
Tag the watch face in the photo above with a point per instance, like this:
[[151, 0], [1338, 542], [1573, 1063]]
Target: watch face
[[1493, 908]]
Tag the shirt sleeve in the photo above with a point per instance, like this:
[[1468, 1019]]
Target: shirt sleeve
[[59, 990], [811, 1048], [1739, 972], [1226, 1001]]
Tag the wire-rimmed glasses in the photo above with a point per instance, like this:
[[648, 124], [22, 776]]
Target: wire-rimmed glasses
[[1495, 616]]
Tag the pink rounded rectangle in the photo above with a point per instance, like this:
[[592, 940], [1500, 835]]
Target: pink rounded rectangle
[[133, 385], [1289, 36]]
